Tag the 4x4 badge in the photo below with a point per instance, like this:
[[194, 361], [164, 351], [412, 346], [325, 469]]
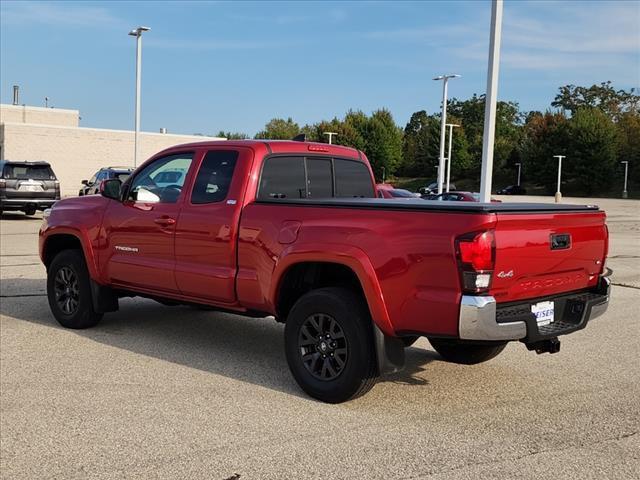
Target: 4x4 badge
[[504, 274]]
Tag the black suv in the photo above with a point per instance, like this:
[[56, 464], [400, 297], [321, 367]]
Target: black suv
[[27, 186], [91, 186]]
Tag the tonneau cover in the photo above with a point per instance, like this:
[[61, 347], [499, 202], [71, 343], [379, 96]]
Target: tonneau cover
[[434, 205]]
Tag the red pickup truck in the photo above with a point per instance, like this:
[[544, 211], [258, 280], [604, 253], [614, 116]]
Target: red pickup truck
[[294, 230]]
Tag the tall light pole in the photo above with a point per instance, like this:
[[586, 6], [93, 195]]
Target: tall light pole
[[330, 135], [626, 172], [137, 32], [519, 168], [451, 126], [443, 122], [493, 70], [558, 194]]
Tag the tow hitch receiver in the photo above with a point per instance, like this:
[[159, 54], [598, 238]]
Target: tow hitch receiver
[[551, 345]]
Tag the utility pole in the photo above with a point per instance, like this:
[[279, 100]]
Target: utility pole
[[626, 172], [137, 32], [451, 126], [558, 194], [330, 135], [493, 71], [443, 122], [519, 168]]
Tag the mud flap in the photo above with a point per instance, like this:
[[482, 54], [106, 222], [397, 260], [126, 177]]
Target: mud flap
[[104, 298], [389, 352]]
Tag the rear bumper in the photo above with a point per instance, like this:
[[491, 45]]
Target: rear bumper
[[26, 203], [482, 319]]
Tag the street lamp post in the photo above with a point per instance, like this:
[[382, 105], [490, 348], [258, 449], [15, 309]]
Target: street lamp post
[[558, 194], [451, 126], [626, 172], [137, 32], [330, 135], [443, 122], [490, 105], [519, 168]]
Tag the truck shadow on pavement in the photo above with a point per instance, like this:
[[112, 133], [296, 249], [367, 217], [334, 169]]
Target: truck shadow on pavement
[[242, 348]]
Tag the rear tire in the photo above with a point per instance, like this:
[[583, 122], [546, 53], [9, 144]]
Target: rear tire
[[465, 353], [69, 291], [329, 345]]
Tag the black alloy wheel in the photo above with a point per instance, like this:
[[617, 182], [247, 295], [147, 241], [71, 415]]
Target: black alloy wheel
[[67, 291], [329, 344], [323, 346]]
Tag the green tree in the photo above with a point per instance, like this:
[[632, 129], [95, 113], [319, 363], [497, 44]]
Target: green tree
[[279, 129], [420, 146], [509, 119], [544, 135], [604, 97], [591, 151], [628, 128], [232, 135], [383, 143]]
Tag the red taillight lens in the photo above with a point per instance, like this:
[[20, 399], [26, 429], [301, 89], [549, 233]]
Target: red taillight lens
[[476, 257], [477, 251]]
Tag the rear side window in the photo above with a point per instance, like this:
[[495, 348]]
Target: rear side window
[[26, 172], [214, 177], [352, 179], [283, 177]]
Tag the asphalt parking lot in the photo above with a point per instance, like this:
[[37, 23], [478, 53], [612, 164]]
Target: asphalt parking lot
[[173, 392]]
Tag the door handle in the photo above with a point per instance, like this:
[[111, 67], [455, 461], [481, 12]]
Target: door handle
[[165, 221]]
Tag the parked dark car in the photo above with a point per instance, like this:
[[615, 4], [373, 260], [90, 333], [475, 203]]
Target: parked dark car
[[386, 190], [459, 197], [512, 190], [27, 186], [432, 189], [92, 186]]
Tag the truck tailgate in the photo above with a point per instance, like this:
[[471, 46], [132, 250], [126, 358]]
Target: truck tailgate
[[544, 254]]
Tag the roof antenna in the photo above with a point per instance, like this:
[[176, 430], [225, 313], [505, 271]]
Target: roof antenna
[[302, 137]]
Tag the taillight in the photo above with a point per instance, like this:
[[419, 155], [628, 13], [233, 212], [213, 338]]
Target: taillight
[[476, 254]]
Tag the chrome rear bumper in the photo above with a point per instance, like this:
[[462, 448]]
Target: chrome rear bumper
[[478, 319]]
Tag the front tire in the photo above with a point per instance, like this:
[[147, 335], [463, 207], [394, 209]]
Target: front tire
[[329, 345], [69, 291], [456, 351]]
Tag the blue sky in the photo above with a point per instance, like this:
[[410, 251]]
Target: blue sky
[[234, 65]]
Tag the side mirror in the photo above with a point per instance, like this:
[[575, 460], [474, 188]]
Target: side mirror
[[111, 189]]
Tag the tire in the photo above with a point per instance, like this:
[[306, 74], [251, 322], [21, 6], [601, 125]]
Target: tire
[[348, 368], [69, 291], [410, 340], [466, 353]]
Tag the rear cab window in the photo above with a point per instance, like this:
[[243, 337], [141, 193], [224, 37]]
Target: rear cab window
[[296, 177]]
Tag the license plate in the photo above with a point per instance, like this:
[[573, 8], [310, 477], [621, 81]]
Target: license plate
[[543, 312], [30, 188]]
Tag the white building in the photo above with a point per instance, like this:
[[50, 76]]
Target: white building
[[75, 153]]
